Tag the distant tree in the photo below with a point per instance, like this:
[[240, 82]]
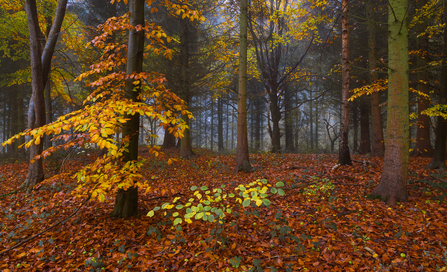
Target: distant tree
[[438, 161], [378, 147]]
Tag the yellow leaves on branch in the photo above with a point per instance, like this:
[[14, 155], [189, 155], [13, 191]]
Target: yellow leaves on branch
[[381, 85]]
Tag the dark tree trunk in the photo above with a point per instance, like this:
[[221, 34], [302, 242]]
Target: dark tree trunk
[[344, 157], [393, 183], [355, 125], [242, 155], [438, 161], [258, 125], [423, 146], [212, 126], [378, 148], [185, 142], [168, 140], [276, 117], [220, 142], [365, 143], [126, 202], [48, 111], [288, 117]]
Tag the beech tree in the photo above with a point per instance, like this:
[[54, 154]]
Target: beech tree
[[393, 183], [126, 203], [40, 67], [344, 157], [242, 157]]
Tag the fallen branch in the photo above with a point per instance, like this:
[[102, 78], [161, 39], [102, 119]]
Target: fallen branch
[[47, 229]]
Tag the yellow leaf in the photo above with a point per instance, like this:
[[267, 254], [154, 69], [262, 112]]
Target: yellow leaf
[[28, 144], [37, 141], [150, 213], [101, 198]]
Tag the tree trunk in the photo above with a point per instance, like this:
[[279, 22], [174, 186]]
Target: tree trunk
[[168, 140], [423, 146], [40, 67], [355, 125], [220, 142], [185, 142], [288, 117], [242, 155], [393, 183], [276, 117], [48, 111], [35, 170], [126, 202], [438, 161], [378, 148], [212, 125], [365, 143], [258, 125], [344, 157]]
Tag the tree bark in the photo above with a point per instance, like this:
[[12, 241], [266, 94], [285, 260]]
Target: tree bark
[[168, 140], [126, 202], [393, 183], [344, 157], [378, 148], [40, 67], [242, 155], [438, 161]]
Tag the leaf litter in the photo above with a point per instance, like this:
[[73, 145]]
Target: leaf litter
[[323, 222]]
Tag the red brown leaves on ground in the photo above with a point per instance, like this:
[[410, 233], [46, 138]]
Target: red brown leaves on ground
[[324, 222]]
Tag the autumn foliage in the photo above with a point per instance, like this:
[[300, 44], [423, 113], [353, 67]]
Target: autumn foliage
[[323, 222]]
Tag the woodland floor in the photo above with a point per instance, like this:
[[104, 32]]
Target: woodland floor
[[324, 222]]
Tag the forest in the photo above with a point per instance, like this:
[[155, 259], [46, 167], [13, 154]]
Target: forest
[[208, 135]]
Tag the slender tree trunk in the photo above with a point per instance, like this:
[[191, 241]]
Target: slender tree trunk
[[393, 183], [276, 117], [378, 148], [258, 125], [423, 146], [311, 121], [344, 157], [288, 117], [242, 156], [220, 142], [355, 125], [185, 142], [365, 143], [438, 161], [48, 111], [212, 125], [126, 202]]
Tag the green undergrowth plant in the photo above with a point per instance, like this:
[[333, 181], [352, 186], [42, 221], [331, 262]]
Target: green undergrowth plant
[[210, 204]]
